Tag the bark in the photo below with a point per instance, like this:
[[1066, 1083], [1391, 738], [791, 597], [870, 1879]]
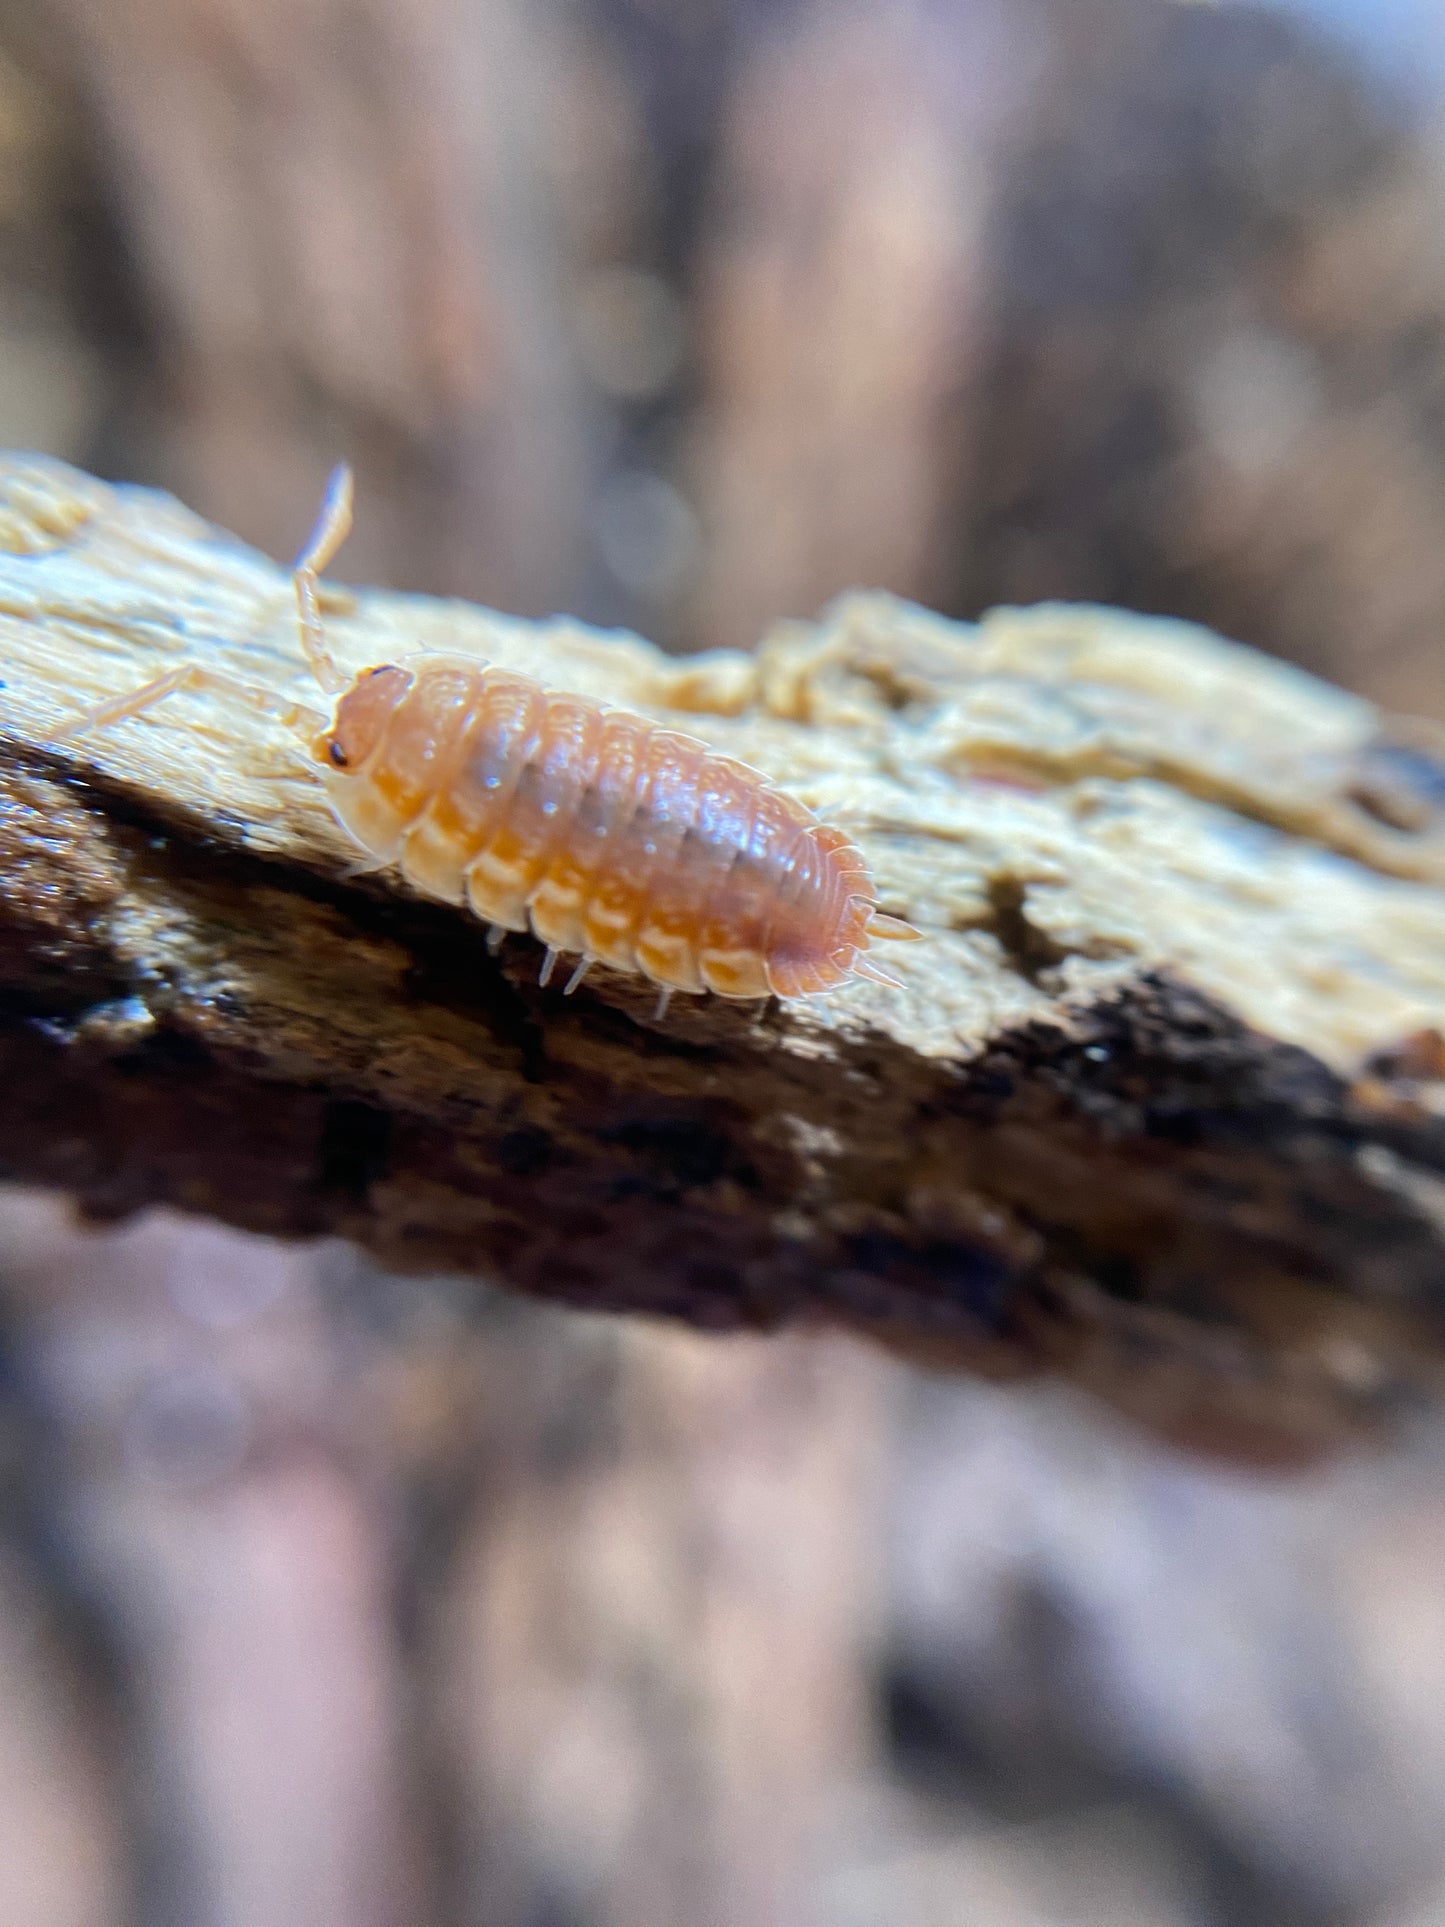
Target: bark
[[1158, 1106]]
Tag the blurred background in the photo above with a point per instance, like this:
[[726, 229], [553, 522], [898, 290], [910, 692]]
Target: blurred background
[[333, 1598]]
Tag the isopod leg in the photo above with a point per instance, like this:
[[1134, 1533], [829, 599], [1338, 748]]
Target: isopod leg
[[548, 963], [577, 975], [496, 937], [664, 998]]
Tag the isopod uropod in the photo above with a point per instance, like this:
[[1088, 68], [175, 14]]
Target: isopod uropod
[[608, 836]]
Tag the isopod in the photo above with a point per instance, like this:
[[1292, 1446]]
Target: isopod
[[609, 837]]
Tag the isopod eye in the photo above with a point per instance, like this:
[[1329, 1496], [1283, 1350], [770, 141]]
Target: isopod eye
[[361, 716]]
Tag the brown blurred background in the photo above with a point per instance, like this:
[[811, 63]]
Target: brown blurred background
[[327, 1598]]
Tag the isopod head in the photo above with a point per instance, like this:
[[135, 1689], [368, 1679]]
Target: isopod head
[[361, 717]]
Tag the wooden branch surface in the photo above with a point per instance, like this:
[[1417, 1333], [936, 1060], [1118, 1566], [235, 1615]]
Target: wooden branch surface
[[1160, 1105]]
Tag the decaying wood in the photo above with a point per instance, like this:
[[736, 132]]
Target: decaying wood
[[1159, 1105]]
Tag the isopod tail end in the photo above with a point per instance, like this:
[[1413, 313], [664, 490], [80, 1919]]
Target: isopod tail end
[[865, 967], [893, 929]]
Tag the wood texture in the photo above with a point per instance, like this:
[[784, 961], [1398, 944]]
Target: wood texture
[[1159, 1104]]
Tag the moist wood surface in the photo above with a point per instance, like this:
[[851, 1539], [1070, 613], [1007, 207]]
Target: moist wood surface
[[1159, 1106]]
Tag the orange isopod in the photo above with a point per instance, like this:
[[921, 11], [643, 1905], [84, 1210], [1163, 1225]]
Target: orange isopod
[[607, 836]]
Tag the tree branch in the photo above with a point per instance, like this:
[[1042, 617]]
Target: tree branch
[[1159, 1106]]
